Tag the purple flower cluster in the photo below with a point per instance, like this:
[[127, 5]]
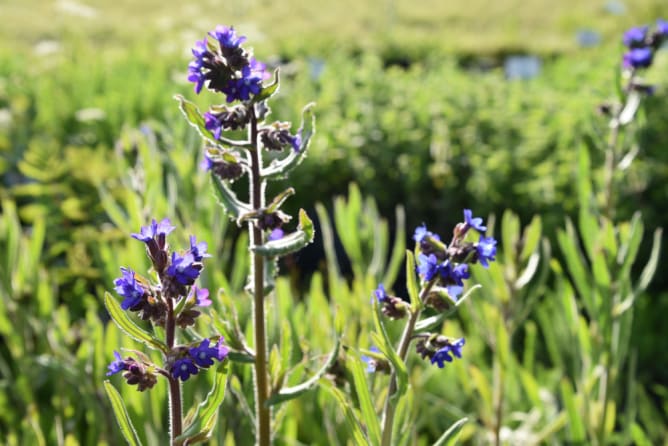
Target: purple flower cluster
[[440, 349], [225, 66], [642, 44], [449, 264], [444, 353], [200, 357], [134, 372]]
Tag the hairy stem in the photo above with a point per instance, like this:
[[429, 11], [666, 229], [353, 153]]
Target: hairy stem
[[262, 411], [404, 343], [175, 405]]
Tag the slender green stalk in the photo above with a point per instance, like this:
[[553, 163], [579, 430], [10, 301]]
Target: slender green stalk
[[175, 404], [404, 343], [262, 411]]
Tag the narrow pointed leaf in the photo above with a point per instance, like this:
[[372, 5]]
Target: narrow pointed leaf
[[194, 117], [123, 322], [382, 340], [650, 268], [207, 412], [292, 242], [228, 199], [369, 415], [289, 393], [411, 282], [450, 437], [121, 414], [348, 412]]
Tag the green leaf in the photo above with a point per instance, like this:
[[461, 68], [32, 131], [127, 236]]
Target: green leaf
[[411, 282], [269, 90], [290, 243], [398, 247], [650, 268], [123, 322], [121, 413], [369, 415], [289, 393], [195, 118], [207, 412], [382, 340], [348, 412], [451, 436], [576, 425], [279, 169], [228, 199]]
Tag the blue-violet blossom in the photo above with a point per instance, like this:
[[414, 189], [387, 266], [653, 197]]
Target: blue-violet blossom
[[128, 288], [444, 353], [183, 368]]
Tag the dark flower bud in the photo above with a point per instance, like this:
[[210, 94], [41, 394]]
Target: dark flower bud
[[391, 306], [278, 136], [226, 118], [272, 220], [187, 318], [134, 372]]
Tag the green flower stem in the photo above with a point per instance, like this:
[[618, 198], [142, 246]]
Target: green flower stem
[[175, 405], [404, 343], [262, 411]]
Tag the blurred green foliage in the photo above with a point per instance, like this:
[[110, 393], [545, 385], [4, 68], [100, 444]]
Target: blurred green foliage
[[92, 145]]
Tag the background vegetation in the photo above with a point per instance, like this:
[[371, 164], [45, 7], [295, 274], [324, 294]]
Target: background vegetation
[[413, 104]]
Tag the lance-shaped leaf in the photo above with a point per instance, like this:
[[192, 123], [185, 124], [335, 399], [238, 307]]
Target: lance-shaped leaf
[[278, 169], [351, 417], [411, 282], [450, 437], [123, 322], [204, 418], [121, 414], [289, 393], [234, 207], [269, 90], [367, 409], [290, 243], [382, 340], [195, 118], [279, 199]]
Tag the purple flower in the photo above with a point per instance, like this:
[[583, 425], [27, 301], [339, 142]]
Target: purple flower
[[116, 366], [206, 164], [370, 361], [184, 269], [203, 355], [198, 250], [486, 250], [296, 141], [380, 294], [249, 83], [421, 233], [475, 223], [428, 266], [662, 28], [128, 288], [195, 74], [183, 368], [276, 234], [444, 353], [213, 124], [635, 36], [149, 232], [201, 295], [227, 37], [638, 58]]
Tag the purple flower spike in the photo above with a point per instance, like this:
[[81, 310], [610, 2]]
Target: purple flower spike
[[183, 368], [128, 288], [184, 269], [117, 366], [444, 353], [474, 222], [486, 249]]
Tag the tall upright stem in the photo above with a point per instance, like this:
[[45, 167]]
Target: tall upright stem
[[262, 411], [175, 405], [404, 343]]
